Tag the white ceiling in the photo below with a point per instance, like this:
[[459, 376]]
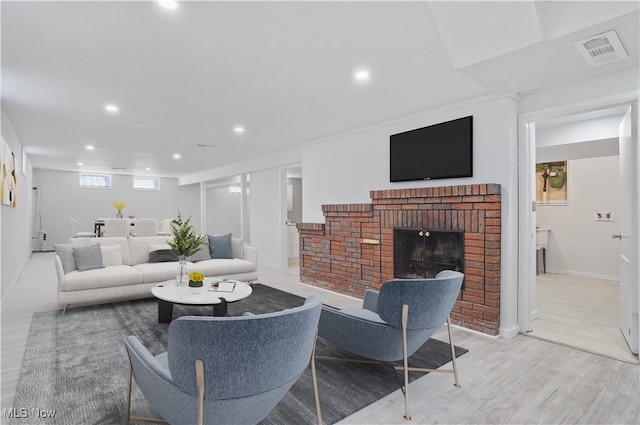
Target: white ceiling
[[282, 70]]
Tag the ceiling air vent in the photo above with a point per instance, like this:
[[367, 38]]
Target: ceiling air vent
[[602, 48]]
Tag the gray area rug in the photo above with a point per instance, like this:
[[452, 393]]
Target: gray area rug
[[75, 366]]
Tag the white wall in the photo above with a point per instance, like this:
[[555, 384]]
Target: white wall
[[578, 245], [580, 131], [61, 198], [15, 226], [267, 217], [343, 169], [223, 211]]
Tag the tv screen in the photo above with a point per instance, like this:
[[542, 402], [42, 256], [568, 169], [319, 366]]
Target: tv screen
[[439, 151]]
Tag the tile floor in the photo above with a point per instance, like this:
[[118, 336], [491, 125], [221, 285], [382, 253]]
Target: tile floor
[[582, 313]]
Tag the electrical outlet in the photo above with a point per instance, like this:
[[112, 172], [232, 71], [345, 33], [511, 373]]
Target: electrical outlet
[[603, 216], [589, 208]]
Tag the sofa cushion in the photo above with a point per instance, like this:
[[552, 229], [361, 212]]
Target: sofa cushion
[[160, 272], [106, 241], [111, 255], [65, 252], [201, 255], [139, 247], [162, 256], [88, 257], [237, 248], [102, 278], [220, 246], [155, 247], [222, 266]]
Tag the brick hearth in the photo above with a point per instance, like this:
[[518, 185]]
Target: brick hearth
[[353, 249]]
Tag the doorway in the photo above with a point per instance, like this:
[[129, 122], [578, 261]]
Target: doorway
[[294, 216], [576, 302]]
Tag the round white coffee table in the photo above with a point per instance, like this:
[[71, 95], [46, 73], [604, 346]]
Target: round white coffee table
[[168, 294]]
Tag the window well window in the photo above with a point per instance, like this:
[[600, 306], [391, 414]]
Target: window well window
[[95, 181], [146, 183]]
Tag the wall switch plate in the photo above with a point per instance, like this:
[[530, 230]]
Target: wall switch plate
[[603, 216], [589, 208]]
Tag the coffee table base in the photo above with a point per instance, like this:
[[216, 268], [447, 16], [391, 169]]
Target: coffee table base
[[165, 310]]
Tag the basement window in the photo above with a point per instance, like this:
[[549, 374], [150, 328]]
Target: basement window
[[146, 183], [95, 181]]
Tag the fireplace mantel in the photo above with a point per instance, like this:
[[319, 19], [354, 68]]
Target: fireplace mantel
[[353, 249]]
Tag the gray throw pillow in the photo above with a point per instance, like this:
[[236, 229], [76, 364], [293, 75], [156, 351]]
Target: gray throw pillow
[[220, 246], [201, 255], [88, 257], [162, 256], [65, 252], [237, 248]]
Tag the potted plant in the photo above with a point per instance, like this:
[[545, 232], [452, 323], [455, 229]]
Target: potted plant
[[196, 281], [119, 205], [185, 243]]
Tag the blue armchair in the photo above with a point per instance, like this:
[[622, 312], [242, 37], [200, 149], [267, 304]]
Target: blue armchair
[[394, 323], [225, 369]]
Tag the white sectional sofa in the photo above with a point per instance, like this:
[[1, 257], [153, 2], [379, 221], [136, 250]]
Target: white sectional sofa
[[126, 273]]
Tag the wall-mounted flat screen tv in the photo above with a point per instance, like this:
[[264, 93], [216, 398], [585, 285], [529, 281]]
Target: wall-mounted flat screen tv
[[439, 151]]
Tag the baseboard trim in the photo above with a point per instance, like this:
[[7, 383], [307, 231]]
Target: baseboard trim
[[509, 332], [582, 274]]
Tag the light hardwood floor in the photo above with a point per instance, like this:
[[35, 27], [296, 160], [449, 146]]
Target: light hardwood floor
[[581, 312], [504, 381]]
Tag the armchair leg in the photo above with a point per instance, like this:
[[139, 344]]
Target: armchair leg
[[453, 355], [128, 414], [405, 360], [200, 389], [314, 379], [128, 418]]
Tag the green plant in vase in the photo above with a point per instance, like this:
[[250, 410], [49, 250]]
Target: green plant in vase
[[185, 243]]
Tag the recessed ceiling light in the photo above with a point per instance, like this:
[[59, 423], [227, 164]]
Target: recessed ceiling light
[[176, 156], [168, 4], [90, 147], [148, 169], [238, 129], [80, 163], [362, 75], [111, 108]]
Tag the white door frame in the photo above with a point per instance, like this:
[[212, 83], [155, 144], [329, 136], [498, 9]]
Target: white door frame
[[526, 190]]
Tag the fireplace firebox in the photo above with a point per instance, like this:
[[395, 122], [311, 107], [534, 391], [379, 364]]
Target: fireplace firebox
[[422, 253]]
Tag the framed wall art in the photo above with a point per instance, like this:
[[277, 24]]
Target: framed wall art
[[9, 175], [551, 183]]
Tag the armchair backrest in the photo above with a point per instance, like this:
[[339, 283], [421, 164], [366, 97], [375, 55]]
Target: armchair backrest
[[117, 227], [430, 300], [146, 227], [74, 226], [243, 355], [165, 226]]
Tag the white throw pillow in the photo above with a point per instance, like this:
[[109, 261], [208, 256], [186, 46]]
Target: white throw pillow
[[111, 255]]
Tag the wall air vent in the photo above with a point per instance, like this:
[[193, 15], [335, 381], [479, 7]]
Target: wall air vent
[[118, 168], [602, 48]]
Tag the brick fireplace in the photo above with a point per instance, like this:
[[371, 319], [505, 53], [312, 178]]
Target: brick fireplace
[[354, 248]]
